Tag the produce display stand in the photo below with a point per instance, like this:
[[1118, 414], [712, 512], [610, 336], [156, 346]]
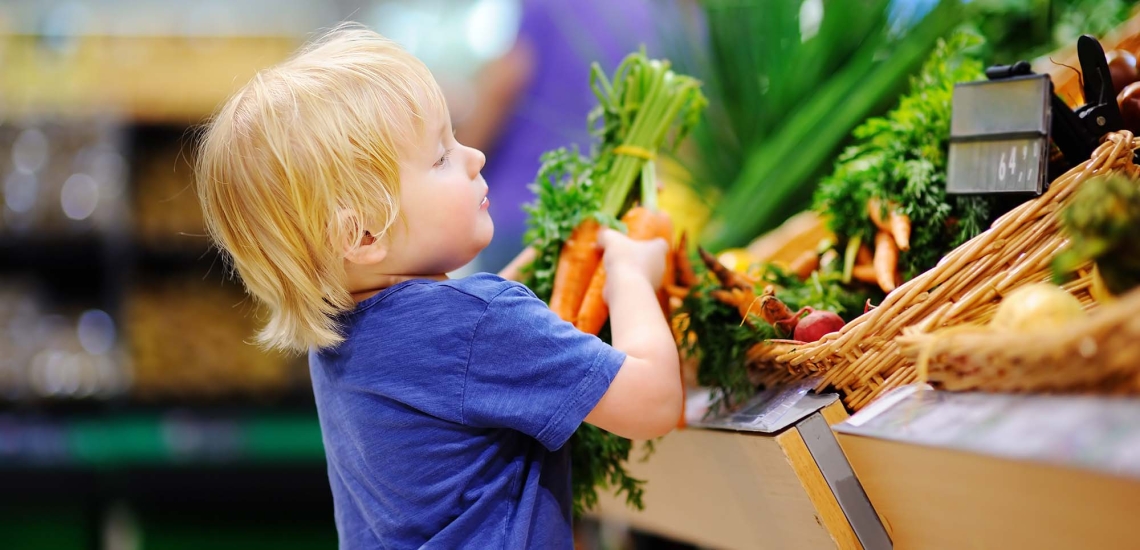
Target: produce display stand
[[771, 476], [974, 470]]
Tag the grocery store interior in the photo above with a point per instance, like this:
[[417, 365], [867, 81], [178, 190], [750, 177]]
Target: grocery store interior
[[954, 367]]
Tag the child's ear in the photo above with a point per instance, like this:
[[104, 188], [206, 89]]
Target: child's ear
[[366, 250], [369, 251]]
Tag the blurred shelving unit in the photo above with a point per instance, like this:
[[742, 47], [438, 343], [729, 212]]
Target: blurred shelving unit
[[143, 60], [134, 411]]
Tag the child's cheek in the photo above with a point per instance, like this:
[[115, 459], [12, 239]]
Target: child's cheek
[[456, 218]]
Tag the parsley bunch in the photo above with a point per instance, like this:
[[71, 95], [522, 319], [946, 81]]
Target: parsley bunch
[[901, 158]]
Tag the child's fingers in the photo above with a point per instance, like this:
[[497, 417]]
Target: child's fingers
[[660, 244], [611, 237], [607, 236]]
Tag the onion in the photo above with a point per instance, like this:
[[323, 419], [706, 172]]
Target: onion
[[1037, 306], [815, 324], [1122, 66], [1129, 102]]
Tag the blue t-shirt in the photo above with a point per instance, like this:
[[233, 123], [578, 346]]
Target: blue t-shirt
[[445, 415]]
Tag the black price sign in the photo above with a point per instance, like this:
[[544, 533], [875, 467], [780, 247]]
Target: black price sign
[[999, 136]]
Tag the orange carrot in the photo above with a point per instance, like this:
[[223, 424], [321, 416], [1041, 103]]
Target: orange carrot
[[896, 223], [804, 264], [774, 311], [577, 263], [663, 227], [900, 229], [594, 310], [727, 277], [686, 277], [735, 297], [886, 260], [875, 212], [865, 273], [643, 225]]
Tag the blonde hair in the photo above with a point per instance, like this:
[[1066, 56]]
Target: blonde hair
[[299, 162]]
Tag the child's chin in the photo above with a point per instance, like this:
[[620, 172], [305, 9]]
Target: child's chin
[[486, 236], [478, 246], [479, 249]]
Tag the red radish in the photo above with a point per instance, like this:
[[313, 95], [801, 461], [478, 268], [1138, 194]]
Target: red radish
[[817, 323]]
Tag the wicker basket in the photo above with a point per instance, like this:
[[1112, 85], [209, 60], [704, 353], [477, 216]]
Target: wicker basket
[[1101, 355], [862, 361]]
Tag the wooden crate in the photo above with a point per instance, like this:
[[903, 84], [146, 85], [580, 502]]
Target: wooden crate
[[960, 475], [724, 489]]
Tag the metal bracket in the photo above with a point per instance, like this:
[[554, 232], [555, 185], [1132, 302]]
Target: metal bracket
[[841, 479]]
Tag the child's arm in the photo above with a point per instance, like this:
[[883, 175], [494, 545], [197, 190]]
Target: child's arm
[[644, 399]]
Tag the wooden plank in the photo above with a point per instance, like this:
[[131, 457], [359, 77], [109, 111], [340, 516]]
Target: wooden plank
[[937, 498], [811, 479], [725, 490], [834, 413]]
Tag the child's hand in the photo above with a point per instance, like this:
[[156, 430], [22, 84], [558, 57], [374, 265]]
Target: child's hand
[[624, 256], [644, 399]]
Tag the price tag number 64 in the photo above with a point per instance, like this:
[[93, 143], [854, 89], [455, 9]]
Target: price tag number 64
[[1008, 163]]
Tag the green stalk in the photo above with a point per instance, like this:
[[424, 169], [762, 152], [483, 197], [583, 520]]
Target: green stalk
[[849, 256], [658, 96], [649, 186]]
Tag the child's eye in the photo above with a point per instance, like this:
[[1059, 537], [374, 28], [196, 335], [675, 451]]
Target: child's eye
[[443, 159]]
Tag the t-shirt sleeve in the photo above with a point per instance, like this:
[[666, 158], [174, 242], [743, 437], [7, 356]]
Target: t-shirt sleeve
[[533, 372]]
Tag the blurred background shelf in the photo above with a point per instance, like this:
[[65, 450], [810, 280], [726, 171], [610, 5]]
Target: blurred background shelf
[[227, 475], [166, 438], [52, 252], [145, 79]]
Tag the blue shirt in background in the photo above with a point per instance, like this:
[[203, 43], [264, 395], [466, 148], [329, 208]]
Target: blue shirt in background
[[565, 38], [445, 415]]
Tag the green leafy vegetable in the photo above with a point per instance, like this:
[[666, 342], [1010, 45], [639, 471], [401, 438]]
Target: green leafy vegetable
[[1025, 29], [1101, 224], [587, 474], [720, 341], [565, 195], [822, 290], [901, 158]]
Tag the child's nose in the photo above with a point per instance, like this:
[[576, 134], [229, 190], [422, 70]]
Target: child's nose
[[478, 160]]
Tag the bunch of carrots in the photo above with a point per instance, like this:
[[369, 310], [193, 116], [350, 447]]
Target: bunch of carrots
[[634, 118], [644, 109], [580, 277], [881, 267]]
